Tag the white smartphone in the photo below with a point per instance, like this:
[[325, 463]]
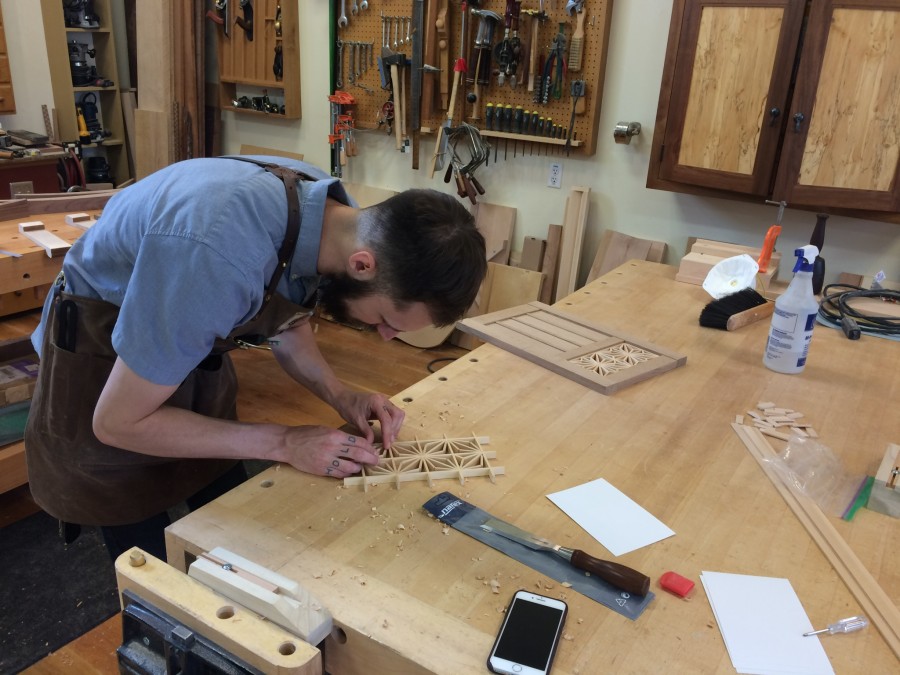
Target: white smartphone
[[527, 641]]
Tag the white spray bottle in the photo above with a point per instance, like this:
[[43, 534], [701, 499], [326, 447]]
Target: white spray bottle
[[794, 318]]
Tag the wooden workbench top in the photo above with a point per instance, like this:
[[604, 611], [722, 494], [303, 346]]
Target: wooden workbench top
[[405, 590]]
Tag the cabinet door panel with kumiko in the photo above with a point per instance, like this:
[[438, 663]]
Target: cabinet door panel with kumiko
[[724, 91], [847, 146]]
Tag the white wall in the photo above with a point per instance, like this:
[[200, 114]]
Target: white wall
[[616, 174]]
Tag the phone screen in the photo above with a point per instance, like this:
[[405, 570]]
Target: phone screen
[[529, 634]]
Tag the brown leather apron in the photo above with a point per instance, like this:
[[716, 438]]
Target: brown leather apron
[[76, 478]]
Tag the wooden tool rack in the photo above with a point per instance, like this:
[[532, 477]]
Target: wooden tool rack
[[246, 66], [441, 50]]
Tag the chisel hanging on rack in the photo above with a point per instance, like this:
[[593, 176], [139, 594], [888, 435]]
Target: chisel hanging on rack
[[459, 68]]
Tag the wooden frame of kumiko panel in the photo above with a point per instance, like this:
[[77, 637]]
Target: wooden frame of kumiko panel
[[429, 460], [600, 358]]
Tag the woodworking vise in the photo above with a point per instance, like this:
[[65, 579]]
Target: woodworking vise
[[227, 615]]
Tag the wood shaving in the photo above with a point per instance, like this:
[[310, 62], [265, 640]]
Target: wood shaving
[[495, 586]]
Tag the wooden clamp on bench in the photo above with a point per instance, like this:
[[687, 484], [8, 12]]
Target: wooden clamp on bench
[[240, 632]]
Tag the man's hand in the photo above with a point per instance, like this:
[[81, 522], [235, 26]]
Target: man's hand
[[359, 407], [327, 452]]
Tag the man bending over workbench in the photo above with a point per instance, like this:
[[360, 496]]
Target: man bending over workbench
[[135, 407]]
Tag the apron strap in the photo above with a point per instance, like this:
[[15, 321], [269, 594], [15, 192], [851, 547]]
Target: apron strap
[[289, 177]]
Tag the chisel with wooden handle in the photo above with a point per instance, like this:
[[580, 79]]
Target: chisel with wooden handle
[[618, 575]]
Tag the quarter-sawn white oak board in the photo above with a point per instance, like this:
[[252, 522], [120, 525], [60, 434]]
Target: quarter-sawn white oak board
[[597, 357]]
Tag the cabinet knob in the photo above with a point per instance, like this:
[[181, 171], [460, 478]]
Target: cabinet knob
[[774, 114], [798, 120]]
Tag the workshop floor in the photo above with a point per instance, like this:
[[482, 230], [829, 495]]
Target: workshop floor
[[359, 358]]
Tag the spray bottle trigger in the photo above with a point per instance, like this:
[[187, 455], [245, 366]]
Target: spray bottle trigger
[[806, 255]]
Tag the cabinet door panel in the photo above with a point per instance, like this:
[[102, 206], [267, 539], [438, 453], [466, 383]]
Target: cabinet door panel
[[847, 150], [7, 100], [729, 73]]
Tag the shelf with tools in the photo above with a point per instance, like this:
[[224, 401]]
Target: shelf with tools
[[525, 61], [81, 50], [259, 57]]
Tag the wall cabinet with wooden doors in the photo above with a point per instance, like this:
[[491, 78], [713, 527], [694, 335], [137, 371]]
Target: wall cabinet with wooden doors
[[88, 107], [784, 100]]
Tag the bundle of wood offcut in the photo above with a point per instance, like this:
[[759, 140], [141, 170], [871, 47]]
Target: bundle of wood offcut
[[778, 422]]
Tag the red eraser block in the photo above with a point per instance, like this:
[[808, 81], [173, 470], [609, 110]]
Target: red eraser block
[[677, 584]]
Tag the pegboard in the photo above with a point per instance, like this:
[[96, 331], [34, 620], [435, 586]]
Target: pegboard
[[377, 27]]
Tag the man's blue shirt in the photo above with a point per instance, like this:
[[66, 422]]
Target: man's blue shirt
[[186, 254]]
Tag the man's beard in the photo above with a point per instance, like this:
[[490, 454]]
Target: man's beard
[[337, 290]]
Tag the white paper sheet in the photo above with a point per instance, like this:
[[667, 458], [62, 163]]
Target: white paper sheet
[[610, 517], [762, 623]]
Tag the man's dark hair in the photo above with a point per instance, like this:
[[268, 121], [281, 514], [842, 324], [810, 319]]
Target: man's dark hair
[[427, 250]]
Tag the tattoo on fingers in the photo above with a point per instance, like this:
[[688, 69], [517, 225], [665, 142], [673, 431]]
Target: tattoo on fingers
[[335, 466]]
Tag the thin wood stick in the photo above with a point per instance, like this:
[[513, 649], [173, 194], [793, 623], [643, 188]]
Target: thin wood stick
[[880, 609]]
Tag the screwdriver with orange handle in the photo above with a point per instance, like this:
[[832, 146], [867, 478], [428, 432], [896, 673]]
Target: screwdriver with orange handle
[[771, 236]]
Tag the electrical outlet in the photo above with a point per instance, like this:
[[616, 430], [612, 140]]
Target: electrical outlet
[[25, 187], [554, 178]]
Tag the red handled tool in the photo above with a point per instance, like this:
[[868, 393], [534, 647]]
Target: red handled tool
[[771, 236]]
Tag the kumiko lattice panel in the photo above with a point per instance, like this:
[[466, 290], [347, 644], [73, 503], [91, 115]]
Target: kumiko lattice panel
[[597, 357], [429, 460]]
